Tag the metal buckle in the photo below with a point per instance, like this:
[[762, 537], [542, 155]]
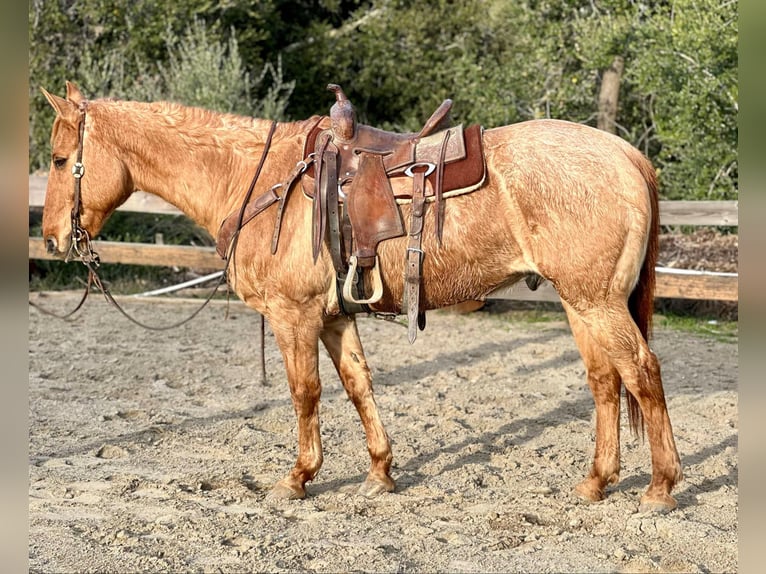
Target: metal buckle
[[304, 164], [430, 168], [78, 170]]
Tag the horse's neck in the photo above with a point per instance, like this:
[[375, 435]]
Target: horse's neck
[[202, 163]]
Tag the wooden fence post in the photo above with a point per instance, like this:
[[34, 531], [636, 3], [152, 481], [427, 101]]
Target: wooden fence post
[[609, 96]]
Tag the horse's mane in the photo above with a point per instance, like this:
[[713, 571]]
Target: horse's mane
[[198, 118], [193, 123]]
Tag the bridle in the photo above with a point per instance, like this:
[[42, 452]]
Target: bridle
[[81, 246], [78, 233]]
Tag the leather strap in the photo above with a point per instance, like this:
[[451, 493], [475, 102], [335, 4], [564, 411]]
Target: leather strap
[[415, 253], [228, 230], [78, 171], [438, 186], [320, 199], [226, 241], [287, 186], [330, 173]]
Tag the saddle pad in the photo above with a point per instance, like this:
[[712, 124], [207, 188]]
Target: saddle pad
[[461, 176]]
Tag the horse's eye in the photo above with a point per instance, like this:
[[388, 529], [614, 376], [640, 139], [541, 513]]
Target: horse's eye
[[59, 162]]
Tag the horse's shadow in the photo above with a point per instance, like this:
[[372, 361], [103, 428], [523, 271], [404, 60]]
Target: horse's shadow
[[523, 430], [402, 375]]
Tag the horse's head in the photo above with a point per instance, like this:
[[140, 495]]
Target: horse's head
[[85, 183]]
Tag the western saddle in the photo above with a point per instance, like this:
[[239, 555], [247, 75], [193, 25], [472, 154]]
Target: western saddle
[[356, 175]]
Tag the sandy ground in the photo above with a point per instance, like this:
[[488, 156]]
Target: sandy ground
[[155, 451]]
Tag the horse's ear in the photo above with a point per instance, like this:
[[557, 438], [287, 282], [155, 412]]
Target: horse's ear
[[73, 93], [61, 106]]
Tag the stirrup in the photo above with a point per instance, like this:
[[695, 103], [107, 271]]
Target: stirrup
[[377, 283]]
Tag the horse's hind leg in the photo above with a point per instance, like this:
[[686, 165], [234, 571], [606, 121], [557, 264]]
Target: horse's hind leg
[[341, 338], [639, 369], [604, 382], [298, 340]]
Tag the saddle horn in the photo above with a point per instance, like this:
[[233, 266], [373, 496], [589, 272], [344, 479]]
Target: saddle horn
[[342, 115]]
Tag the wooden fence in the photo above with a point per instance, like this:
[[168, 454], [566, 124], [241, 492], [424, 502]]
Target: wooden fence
[[671, 283]]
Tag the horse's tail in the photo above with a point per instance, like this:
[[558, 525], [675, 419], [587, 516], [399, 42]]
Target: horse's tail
[[641, 301]]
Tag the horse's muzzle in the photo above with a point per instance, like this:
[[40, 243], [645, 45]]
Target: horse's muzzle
[[51, 245]]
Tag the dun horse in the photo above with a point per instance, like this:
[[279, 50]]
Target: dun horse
[[564, 201]]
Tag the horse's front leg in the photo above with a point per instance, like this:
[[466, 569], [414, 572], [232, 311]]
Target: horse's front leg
[[298, 341], [341, 338]]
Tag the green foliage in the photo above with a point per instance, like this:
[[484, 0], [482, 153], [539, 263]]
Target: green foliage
[[151, 51], [504, 61], [501, 61], [207, 73], [690, 78]]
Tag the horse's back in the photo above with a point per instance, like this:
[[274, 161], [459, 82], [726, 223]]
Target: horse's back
[[557, 147]]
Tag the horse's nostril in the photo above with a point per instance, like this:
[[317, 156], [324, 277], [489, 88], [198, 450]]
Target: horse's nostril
[[51, 244]]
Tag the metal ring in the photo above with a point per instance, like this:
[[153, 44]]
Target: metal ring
[[431, 167]]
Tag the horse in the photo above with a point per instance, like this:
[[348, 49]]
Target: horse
[[572, 204]]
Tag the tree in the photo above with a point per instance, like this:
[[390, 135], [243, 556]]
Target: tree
[[501, 61]]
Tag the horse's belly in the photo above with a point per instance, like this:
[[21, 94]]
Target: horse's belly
[[450, 274]]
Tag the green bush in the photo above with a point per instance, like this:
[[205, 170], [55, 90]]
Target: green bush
[[200, 65]]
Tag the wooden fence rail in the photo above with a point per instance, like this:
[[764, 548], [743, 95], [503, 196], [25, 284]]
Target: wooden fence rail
[[671, 283]]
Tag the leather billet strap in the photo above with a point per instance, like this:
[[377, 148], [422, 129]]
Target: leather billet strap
[[415, 253], [319, 204], [286, 187], [438, 186], [330, 194]]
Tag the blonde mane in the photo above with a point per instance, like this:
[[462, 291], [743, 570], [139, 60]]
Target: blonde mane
[[197, 126]]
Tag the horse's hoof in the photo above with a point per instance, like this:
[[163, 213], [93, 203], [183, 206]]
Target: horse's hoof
[[657, 503], [588, 492], [372, 487], [283, 491]]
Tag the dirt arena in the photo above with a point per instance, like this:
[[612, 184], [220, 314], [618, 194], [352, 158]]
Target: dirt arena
[[155, 451]]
